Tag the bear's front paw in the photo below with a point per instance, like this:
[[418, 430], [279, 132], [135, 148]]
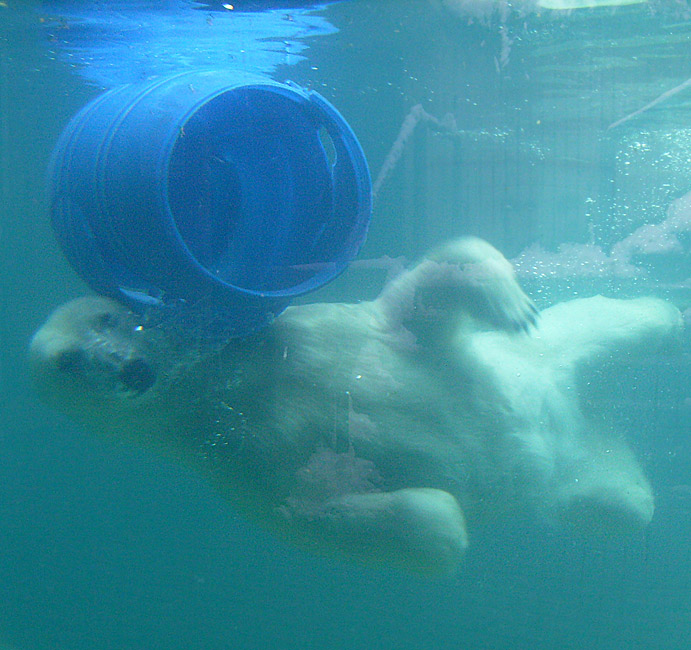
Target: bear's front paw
[[469, 277], [485, 282], [500, 300]]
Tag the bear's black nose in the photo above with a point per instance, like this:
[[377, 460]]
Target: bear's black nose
[[137, 375]]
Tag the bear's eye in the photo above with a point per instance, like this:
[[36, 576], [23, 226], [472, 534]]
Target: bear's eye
[[105, 321], [71, 362]]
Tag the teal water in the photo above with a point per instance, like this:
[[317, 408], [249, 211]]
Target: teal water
[[108, 547]]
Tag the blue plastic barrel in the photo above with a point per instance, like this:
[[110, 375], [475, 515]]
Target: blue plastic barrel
[[210, 190]]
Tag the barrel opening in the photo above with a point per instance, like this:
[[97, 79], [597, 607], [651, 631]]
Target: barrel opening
[[250, 190]]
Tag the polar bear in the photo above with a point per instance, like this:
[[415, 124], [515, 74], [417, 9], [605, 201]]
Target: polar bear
[[382, 431]]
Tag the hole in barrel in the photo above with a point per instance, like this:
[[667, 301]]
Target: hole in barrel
[[328, 145]]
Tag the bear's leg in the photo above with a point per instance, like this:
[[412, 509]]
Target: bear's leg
[[421, 530], [594, 330]]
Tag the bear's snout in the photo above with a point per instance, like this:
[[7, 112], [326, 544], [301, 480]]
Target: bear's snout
[[103, 367]]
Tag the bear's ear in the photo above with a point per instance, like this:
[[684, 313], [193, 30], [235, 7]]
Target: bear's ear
[[464, 281]]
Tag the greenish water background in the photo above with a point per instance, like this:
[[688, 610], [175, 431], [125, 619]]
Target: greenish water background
[[107, 547]]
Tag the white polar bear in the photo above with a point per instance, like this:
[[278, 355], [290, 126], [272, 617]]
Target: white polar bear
[[383, 430]]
